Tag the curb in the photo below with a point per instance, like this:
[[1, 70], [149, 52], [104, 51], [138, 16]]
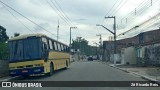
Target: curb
[[142, 76]]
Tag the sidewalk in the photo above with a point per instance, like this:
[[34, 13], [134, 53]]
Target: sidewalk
[[149, 73]]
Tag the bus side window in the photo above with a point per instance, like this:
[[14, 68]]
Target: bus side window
[[55, 45], [50, 45], [62, 48], [59, 47], [67, 49], [46, 42]]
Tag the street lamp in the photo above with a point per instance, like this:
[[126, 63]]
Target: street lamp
[[114, 33]]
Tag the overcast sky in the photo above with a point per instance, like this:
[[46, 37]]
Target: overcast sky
[[83, 14]]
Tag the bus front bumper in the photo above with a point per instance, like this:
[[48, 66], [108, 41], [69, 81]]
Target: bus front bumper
[[26, 71]]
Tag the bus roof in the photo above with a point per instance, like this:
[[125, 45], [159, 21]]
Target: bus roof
[[26, 36], [30, 35]]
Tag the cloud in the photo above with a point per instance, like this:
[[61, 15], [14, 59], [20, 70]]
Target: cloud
[[84, 14]]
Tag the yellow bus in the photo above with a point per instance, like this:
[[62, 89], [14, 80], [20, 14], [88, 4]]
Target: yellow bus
[[36, 54]]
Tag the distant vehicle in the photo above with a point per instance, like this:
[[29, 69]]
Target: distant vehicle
[[94, 57], [36, 54], [90, 58]]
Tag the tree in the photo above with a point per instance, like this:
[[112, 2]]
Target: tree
[[3, 35], [83, 46], [3, 44], [3, 51]]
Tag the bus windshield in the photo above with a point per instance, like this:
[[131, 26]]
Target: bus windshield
[[25, 49]]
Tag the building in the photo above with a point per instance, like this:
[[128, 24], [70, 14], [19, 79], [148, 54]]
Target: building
[[142, 42], [128, 55]]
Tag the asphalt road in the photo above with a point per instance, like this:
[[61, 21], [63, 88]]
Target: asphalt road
[[88, 71]]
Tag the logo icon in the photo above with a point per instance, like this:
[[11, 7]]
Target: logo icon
[[6, 84]]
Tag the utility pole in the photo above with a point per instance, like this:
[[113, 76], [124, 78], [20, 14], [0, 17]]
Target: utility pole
[[100, 39], [80, 51], [100, 44], [58, 30], [71, 36], [96, 49], [114, 33]]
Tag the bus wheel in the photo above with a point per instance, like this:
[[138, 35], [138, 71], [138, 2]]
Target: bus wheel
[[51, 70], [66, 65]]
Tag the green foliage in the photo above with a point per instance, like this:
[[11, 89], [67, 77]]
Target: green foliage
[[3, 45], [3, 35], [3, 51], [82, 44]]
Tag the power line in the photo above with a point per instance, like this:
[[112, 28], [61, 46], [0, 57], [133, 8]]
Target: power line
[[57, 13], [131, 17], [60, 13], [120, 7], [111, 8], [141, 8], [130, 13], [63, 13], [140, 24], [18, 20], [133, 10], [26, 18], [141, 11], [116, 7]]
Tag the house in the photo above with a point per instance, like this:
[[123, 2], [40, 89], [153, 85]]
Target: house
[[144, 43]]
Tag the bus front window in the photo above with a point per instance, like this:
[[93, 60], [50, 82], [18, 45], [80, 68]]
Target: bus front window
[[26, 49], [16, 50]]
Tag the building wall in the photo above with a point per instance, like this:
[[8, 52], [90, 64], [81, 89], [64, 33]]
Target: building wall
[[148, 55], [128, 55], [152, 54], [139, 41], [151, 36]]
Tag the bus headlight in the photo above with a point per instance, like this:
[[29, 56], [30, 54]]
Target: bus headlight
[[37, 65]]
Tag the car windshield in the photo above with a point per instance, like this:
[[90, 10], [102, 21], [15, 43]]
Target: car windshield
[[25, 49]]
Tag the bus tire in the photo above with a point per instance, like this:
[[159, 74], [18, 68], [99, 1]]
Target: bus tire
[[66, 65], [51, 69]]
